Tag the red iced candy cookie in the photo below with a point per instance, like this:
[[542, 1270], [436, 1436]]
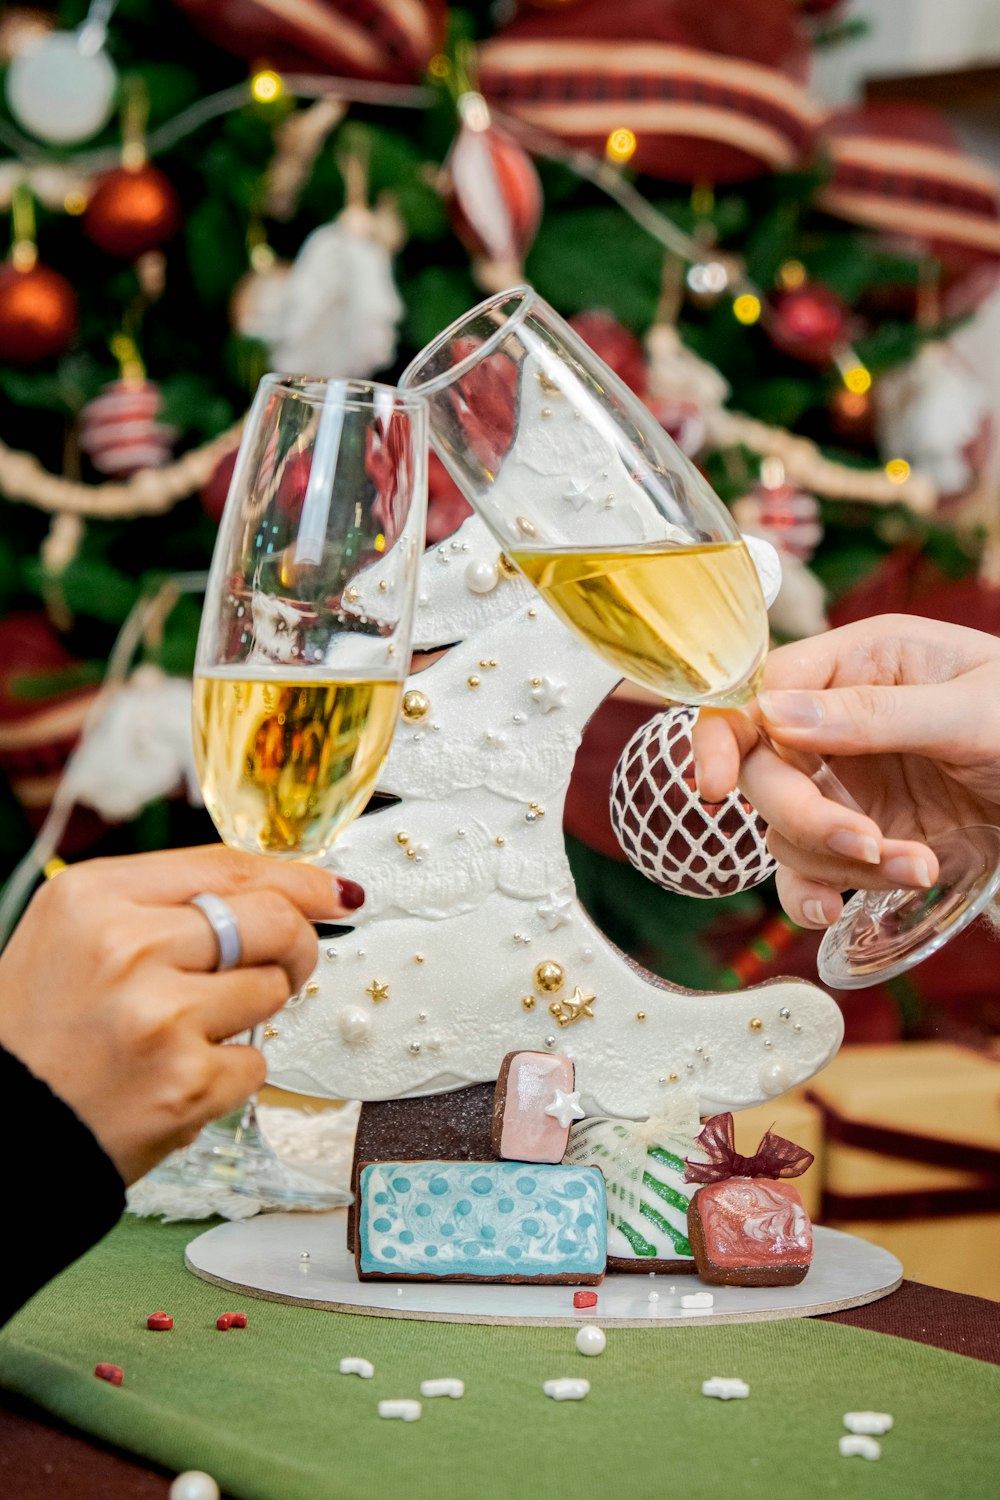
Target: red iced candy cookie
[[237, 1320], [114, 1374], [584, 1299], [223, 1322], [159, 1321]]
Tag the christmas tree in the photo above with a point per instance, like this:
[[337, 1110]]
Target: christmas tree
[[198, 192]]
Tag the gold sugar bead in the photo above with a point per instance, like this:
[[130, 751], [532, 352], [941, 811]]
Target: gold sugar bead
[[312, 988], [415, 705], [528, 1002], [756, 1024], [640, 1015], [549, 976], [402, 839], [671, 1077], [418, 958], [472, 680]]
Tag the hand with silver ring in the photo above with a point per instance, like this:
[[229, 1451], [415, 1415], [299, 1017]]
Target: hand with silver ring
[[118, 992]]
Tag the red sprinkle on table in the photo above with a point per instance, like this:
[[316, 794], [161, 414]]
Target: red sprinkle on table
[[584, 1299], [238, 1320], [112, 1373], [223, 1322], [159, 1321]]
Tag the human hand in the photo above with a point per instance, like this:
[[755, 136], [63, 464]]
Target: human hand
[[108, 989], [908, 712]]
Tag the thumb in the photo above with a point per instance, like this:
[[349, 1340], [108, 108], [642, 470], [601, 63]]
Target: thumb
[[949, 720]]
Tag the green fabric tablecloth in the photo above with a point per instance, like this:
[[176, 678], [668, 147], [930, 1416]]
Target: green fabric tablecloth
[[266, 1410]]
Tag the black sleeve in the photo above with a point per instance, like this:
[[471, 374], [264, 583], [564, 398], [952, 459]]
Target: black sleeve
[[64, 1189]]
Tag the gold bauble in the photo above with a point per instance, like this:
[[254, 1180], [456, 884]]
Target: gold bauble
[[549, 976], [415, 705]]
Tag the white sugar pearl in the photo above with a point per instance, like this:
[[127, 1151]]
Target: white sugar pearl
[[480, 577], [774, 1078], [590, 1339], [194, 1484]]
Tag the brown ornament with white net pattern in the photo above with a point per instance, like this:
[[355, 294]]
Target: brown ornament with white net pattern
[[664, 828]]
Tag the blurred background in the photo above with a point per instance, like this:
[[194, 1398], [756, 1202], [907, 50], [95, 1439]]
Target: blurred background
[[778, 220]]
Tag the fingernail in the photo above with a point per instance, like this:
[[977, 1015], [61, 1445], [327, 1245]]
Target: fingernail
[[854, 846], [814, 911], [907, 870], [352, 895], [792, 709]]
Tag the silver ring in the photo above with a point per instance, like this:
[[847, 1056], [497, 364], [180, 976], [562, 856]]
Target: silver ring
[[224, 925]]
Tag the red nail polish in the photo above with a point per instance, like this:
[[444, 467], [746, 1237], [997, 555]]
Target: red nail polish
[[223, 1322], [351, 894], [114, 1374], [159, 1321], [584, 1299]]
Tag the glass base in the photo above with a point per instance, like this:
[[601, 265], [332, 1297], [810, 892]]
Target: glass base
[[232, 1153], [882, 934]]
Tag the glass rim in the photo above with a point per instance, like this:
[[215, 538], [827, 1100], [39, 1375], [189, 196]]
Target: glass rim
[[525, 296], [358, 392]]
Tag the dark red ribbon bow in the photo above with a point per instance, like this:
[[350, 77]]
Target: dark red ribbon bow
[[774, 1157]]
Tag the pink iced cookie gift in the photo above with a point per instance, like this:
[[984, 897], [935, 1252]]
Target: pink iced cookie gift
[[748, 1225], [533, 1107]]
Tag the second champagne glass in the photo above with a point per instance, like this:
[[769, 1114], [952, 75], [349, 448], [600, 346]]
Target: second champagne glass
[[627, 542], [297, 685]]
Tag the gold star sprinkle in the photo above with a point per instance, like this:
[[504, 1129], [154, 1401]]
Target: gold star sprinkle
[[575, 1007], [378, 991]]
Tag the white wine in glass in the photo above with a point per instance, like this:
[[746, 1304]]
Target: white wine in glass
[[298, 673]]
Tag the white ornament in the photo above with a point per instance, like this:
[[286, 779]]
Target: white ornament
[[120, 430], [567, 1389], [354, 1026], [462, 906], [338, 307], [138, 750], [362, 1367], [60, 90], [774, 1079], [725, 1388], [549, 695], [860, 1447], [664, 828], [930, 413], [194, 1484], [590, 1339], [876, 1422], [481, 577], [698, 1299], [565, 1108]]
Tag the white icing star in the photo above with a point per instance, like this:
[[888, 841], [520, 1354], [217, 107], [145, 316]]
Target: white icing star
[[565, 1108], [549, 695], [577, 492], [556, 913]]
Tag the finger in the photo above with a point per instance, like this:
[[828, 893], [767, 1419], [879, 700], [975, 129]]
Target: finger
[[237, 1073], [792, 805], [176, 875], [720, 739], [271, 928], [903, 864], [220, 1006], [955, 721], [809, 903]]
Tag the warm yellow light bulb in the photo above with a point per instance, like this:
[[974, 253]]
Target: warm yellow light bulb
[[75, 203], [620, 146], [897, 470], [267, 86], [380, 543], [792, 275], [746, 308], [858, 379], [439, 66]]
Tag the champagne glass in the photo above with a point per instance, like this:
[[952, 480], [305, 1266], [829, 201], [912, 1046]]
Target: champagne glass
[[297, 683], [627, 542]]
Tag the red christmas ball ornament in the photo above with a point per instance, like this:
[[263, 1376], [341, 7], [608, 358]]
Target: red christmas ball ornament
[[132, 210], [616, 345], [665, 829], [447, 507], [381, 39], [899, 170], [38, 314], [213, 493], [494, 196], [808, 323], [45, 698], [120, 431], [702, 93]]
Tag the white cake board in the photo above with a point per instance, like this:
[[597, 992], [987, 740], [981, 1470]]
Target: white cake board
[[263, 1257]]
